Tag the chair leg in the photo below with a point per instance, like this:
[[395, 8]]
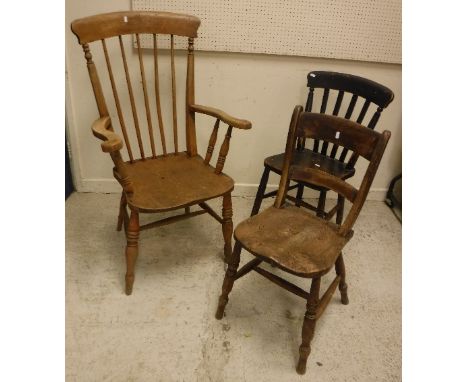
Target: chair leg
[[260, 191], [227, 226], [343, 287], [300, 192], [321, 204], [229, 278], [131, 251], [340, 210], [123, 205], [308, 326]]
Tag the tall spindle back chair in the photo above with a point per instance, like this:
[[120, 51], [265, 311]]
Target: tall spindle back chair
[[155, 181], [330, 158], [295, 240]]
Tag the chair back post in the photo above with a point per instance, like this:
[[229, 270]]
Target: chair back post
[[366, 183], [191, 137], [284, 182]]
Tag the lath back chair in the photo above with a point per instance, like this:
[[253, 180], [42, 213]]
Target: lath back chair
[[329, 157], [295, 240], [159, 180]]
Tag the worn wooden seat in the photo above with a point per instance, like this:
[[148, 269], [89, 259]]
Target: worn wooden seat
[[190, 180], [159, 180], [294, 239], [331, 158]]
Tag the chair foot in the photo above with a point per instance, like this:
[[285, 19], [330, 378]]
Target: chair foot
[[302, 363], [344, 293], [129, 284], [222, 302]]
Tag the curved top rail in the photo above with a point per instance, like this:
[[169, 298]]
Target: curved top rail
[[105, 25]]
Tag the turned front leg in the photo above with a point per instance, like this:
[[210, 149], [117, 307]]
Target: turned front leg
[[131, 251], [229, 278], [308, 327], [227, 226]]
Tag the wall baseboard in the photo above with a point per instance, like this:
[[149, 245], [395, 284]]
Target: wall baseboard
[[240, 189]]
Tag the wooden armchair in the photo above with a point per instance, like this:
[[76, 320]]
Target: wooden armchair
[[295, 240], [330, 158], [163, 180]]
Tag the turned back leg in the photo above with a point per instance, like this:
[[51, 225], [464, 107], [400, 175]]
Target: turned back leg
[[260, 191], [229, 278], [227, 226], [131, 251]]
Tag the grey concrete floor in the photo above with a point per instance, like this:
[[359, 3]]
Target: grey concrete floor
[[166, 331]]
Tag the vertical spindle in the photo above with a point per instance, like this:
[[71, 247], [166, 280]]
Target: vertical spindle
[[174, 97], [156, 90]]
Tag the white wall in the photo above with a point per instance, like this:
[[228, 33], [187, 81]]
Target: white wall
[[261, 88]]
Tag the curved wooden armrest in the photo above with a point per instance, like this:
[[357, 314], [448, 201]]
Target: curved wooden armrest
[[112, 141], [221, 115]]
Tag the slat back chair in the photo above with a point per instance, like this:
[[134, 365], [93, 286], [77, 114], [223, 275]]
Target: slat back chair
[[330, 157], [295, 240], [155, 181]]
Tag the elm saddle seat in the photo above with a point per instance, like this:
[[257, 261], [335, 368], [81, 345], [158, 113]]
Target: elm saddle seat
[[293, 239], [190, 180]]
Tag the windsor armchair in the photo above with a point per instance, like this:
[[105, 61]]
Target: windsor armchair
[[328, 158], [163, 180], [295, 240]]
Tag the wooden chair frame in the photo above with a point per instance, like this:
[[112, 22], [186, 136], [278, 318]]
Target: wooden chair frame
[[363, 142], [372, 93], [100, 28]]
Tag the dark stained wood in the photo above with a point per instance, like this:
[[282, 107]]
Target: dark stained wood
[[248, 267], [159, 182], [281, 282], [307, 158], [365, 88], [339, 159], [308, 326], [298, 242], [107, 25]]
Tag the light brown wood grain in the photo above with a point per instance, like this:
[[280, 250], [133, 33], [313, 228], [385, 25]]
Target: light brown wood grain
[[223, 116], [107, 25]]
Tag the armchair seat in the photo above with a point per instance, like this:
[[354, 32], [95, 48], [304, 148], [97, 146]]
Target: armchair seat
[[307, 158], [173, 181], [293, 239]]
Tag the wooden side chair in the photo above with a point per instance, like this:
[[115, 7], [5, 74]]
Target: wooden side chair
[[160, 180], [329, 158], [295, 240]]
